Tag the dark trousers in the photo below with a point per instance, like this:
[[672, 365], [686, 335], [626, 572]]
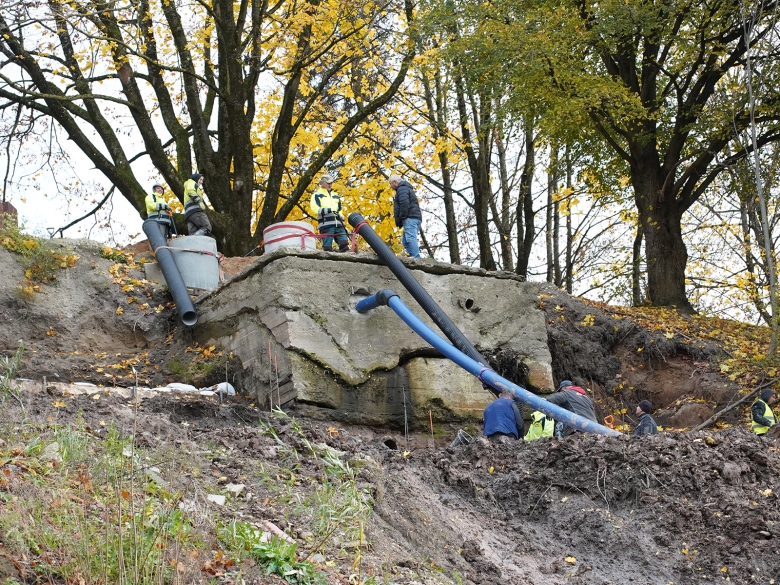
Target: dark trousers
[[198, 224]]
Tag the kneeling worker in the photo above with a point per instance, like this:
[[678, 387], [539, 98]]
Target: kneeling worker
[[157, 209], [503, 420], [763, 416]]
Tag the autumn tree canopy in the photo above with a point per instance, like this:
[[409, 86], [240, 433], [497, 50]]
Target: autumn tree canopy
[[256, 95], [657, 81]]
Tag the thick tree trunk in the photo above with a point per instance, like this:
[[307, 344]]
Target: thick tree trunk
[[665, 249]]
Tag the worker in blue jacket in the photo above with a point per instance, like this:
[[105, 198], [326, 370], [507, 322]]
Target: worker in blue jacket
[[503, 420]]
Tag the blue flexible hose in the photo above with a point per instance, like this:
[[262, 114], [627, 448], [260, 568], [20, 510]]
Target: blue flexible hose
[[485, 375]]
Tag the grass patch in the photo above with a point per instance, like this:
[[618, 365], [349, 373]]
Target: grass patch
[[82, 510]]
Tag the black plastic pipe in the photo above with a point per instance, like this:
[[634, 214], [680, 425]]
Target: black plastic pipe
[[415, 289], [171, 273]]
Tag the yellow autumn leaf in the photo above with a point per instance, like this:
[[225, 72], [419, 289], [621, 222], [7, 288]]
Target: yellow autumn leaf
[[119, 310], [102, 423], [669, 335], [96, 397], [143, 307], [492, 469], [59, 404], [51, 332], [407, 453], [767, 492], [570, 560]]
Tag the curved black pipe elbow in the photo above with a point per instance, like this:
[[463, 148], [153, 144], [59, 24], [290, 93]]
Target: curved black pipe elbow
[[171, 273]]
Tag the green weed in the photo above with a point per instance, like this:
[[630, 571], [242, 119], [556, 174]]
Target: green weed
[[276, 556]]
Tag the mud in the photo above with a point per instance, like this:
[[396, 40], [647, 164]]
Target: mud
[[680, 507]]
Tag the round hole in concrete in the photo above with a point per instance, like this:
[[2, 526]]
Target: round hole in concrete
[[391, 444], [469, 303]]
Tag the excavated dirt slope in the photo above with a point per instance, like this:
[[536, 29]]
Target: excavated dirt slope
[[680, 507]]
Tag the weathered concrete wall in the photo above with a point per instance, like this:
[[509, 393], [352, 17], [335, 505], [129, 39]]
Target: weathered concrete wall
[[370, 367]]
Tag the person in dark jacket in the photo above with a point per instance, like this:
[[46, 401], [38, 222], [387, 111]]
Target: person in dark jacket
[[407, 214], [763, 416], [503, 420], [574, 399], [646, 424]]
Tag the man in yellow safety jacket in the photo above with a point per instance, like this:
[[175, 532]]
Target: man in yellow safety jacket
[[541, 426], [326, 207], [762, 414], [198, 223], [158, 210]]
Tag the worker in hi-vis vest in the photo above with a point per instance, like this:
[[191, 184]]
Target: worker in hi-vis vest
[[541, 426], [157, 209], [198, 223], [762, 414], [326, 207]]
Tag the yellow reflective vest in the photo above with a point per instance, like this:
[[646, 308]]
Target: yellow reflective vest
[[326, 207], [193, 198], [157, 208], [758, 428], [541, 426]]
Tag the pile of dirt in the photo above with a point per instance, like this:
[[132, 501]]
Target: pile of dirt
[[674, 508], [671, 508]]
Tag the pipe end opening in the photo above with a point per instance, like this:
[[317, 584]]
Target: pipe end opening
[[189, 318]]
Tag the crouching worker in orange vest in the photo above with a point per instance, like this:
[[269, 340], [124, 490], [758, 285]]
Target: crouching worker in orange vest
[[158, 210]]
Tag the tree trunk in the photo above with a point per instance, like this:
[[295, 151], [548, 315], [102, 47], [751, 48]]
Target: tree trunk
[[665, 249], [569, 235], [479, 165], [502, 216], [636, 268], [436, 102], [552, 223], [525, 204]]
